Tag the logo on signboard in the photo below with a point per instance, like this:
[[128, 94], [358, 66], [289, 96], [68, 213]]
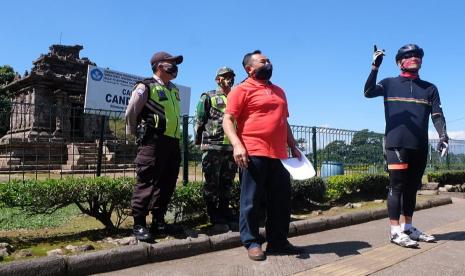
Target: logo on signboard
[[96, 74]]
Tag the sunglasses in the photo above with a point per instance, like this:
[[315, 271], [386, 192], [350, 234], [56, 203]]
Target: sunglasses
[[410, 55]]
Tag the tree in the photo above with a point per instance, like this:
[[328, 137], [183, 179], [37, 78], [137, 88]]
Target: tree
[[337, 150], [301, 144], [367, 147], [7, 74], [195, 154]]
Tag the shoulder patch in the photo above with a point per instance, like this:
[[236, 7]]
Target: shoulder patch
[[140, 91]]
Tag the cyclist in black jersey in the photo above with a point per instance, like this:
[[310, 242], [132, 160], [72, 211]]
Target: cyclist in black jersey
[[408, 103]]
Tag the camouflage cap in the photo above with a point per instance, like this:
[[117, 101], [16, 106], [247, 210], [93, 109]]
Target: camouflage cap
[[224, 70]]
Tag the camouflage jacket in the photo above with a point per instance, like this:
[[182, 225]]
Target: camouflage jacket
[[209, 133]]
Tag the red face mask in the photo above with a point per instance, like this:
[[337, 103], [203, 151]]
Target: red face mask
[[412, 64]]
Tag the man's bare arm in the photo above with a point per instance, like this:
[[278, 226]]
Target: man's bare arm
[[240, 153]]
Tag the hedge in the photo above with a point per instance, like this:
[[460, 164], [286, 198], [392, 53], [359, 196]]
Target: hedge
[[341, 186], [98, 197], [101, 197], [447, 177], [188, 204]]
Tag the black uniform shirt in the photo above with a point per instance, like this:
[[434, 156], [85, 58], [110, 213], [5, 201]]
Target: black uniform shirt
[[407, 105]]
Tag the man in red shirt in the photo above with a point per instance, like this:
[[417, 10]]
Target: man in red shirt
[[259, 108]]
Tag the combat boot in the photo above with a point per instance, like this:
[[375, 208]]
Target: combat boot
[[141, 233], [160, 227]]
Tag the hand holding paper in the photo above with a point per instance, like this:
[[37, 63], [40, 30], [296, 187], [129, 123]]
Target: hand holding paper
[[299, 169]]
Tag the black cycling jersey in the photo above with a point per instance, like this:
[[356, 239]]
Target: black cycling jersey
[[407, 105]]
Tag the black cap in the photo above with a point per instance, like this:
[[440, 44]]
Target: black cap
[[164, 56]]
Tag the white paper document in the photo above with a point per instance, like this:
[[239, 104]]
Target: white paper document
[[299, 169]]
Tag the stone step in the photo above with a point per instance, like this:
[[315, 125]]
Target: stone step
[[94, 166], [52, 162], [84, 144], [430, 186], [88, 155], [84, 150], [30, 168], [129, 171]]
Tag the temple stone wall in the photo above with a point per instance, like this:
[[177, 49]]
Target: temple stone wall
[[47, 111]]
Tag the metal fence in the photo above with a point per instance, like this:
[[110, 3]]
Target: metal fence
[[49, 141]]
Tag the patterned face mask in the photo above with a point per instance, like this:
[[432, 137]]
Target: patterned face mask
[[170, 69], [226, 82]]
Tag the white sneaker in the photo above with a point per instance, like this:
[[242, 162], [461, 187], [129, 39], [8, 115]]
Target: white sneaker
[[417, 235], [403, 240]]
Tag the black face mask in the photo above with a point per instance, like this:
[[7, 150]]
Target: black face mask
[[170, 69], [264, 72]]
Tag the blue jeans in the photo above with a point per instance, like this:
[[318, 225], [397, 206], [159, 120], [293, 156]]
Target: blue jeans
[[265, 181]]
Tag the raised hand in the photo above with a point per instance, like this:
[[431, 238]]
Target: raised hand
[[377, 57]]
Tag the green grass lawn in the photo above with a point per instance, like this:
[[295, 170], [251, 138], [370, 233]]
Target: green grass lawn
[[15, 218]]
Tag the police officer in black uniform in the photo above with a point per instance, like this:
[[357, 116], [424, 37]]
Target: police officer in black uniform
[[153, 116]]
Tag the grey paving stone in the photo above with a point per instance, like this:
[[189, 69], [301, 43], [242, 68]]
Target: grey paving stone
[[35, 267], [225, 241], [107, 260]]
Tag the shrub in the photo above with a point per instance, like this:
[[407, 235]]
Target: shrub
[[340, 186], [447, 177], [101, 197], [235, 197], [308, 192], [374, 184], [187, 202], [98, 197]]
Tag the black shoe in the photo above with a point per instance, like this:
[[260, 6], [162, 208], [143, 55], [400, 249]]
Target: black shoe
[[233, 226], [142, 234], [162, 228], [287, 248], [219, 228]]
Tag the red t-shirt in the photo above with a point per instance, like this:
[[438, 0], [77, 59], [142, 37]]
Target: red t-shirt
[[260, 110]]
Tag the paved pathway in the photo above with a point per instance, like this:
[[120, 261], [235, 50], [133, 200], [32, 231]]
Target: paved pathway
[[354, 250]]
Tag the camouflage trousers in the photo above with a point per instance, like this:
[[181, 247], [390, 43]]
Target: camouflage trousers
[[219, 170]]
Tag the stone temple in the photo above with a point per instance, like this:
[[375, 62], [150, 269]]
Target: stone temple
[[48, 127]]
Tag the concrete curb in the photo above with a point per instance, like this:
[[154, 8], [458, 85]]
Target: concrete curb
[[133, 255]]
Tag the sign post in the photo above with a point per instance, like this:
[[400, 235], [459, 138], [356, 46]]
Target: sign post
[[108, 92]]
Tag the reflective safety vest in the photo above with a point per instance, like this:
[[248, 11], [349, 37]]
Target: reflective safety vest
[[213, 133], [162, 110]]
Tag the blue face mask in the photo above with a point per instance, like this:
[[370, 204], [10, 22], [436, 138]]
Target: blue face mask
[[264, 72]]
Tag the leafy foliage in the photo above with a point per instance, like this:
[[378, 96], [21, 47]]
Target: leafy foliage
[[307, 193], [447, 177], [187, 202], [101, 197], [194, 151], [341, 186], [98, 197], [365, 148], [7, 74]]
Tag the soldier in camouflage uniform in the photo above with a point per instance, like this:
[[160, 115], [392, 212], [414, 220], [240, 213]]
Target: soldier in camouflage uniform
[[218, 163]]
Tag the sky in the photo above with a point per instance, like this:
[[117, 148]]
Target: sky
[[321, 50]]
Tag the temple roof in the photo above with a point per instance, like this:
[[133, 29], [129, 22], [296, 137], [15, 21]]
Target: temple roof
[[60, 68]]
